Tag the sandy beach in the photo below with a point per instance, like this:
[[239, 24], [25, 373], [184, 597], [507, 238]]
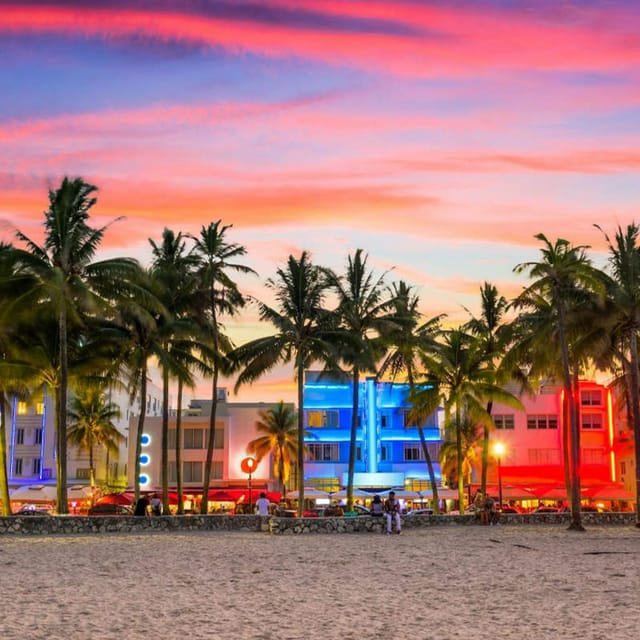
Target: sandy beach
[[437, 583]]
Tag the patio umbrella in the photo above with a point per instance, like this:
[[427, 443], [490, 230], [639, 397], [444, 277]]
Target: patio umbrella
[[217, 495], [552, 493], [512, 492], [312, 494], [608, 492], [125, 498], [34, 493], [357, 493]]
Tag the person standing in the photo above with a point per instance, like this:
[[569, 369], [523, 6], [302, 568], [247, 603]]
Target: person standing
[[392, 511], [262, 505]]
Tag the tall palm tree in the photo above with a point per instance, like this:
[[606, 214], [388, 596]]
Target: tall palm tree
[[458, 377], [562, 269], [69, 284], [172, 269], [453, 465], [304, 330], [91, 424], [494, 335], [363, 316], [405, 343], [216, 258], [624, 263], [278, 427]]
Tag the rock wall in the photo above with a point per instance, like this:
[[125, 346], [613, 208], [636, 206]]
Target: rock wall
[[64, 525]]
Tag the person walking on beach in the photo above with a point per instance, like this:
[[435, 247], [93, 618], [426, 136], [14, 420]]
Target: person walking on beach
[[392, 511], [262, 505]]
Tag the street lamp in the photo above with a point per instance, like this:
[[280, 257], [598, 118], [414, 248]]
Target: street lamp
[[249, 465], [498, 449]]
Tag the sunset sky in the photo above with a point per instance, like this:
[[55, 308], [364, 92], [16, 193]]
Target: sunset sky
[[439, 137]]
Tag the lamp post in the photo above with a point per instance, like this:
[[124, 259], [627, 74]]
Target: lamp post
[[498, 449], [249, 465]]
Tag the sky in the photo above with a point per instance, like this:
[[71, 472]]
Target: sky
[[438, 136]]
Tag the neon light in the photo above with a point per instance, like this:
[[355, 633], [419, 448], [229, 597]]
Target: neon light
[[372, 439], [44, 431], [146, 439], [144, 479], [612, 454], [145, 459]]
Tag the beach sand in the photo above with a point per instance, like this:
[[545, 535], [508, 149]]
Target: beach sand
[[471, 582]]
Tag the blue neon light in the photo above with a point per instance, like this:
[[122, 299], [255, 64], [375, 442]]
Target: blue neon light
[[145, 459], [146, 439], [144, 479]]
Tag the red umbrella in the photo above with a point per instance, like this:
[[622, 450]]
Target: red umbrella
[[116, 498], [216, 495]]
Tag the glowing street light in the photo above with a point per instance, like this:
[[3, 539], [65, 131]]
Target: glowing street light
[[249, 465], [499, 449]]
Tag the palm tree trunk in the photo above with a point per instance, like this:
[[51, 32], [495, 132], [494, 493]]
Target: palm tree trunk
[[485, 452], [4, 476], [300, 465], [204, 505], [352, 436], [635, 412], [165, 439], [576, 519], [459, 458], [61, 418], [139, 432], [179, 448]]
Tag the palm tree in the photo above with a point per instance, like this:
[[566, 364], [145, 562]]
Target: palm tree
[[303, 335], [406, 342], [454, 466], [91, 424], [69, 284], [363, 316], [220, 295], [279, 427], [624, 263], [172, 270], [458, 377], [563, 268], [494, 335]]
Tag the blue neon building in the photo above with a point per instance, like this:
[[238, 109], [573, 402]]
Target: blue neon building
[[388, 448]]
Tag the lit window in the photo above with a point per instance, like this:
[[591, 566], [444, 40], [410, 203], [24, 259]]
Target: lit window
[[317, 419], [324, 452], [22, 408], [592, 421], [40, 408]]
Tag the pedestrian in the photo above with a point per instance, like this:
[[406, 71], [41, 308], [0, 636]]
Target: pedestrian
[[142, 506], [392, 511], [156, 505], [262, 505]]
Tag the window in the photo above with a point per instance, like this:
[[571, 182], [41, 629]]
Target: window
[[19, 436], [385, 453], [40, 408], [37, 436], [36, 464], [544, 456], [385, 420], [408, 422], [17, 466], [193, 438], [22, 408], [596, 456], [413, 452], [216, 470], [317, 419], [591, 398], [171, 439], [623, 467], [218, 439], [83, 473], [592, 421], [358, 453], [192, 471], [506, 421], [324, 452], [540, 421]]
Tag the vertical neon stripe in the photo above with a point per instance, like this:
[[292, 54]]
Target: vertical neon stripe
[[372, 436], [12, 443], [612, 455]]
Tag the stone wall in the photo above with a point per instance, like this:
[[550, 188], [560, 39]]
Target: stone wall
[[64, 525]]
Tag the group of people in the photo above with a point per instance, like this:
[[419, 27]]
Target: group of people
[[148, 505], [390, 509]]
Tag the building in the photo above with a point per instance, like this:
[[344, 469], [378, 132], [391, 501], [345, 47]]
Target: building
[[31, 454], [388, 448], [235, 428]]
